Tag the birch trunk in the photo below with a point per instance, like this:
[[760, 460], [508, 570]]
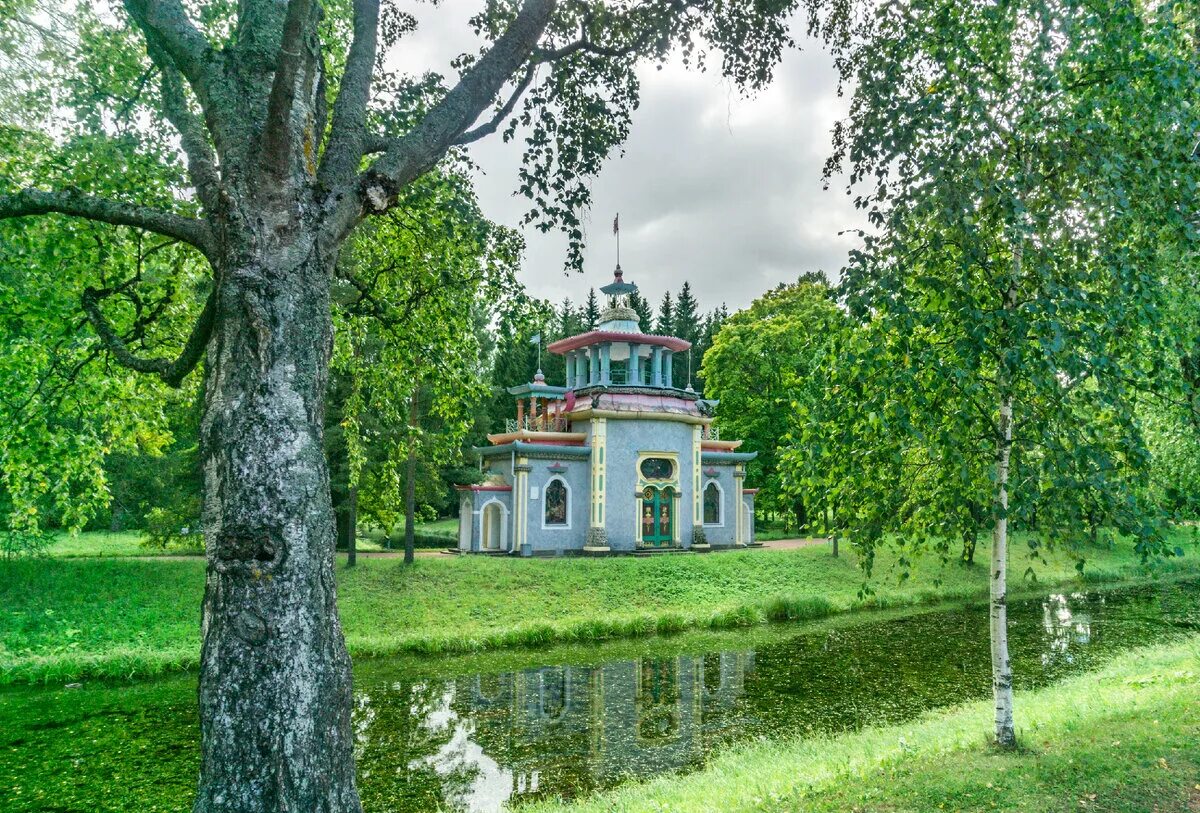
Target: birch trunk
[[1001, 666], [274, 673], [410, 484]]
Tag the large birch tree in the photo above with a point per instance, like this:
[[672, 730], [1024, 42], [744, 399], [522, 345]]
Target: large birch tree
[[1022, 163], [293, 134]]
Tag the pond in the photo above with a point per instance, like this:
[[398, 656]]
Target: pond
[[472, 733]]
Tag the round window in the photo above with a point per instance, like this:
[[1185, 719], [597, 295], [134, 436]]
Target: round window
[[657, 468]]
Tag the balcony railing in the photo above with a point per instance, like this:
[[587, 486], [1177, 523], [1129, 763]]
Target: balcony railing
[[541, 423]]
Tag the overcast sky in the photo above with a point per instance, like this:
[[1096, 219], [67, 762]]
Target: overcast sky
[[713, 188]]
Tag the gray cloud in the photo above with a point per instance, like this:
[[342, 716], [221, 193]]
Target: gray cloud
[[713, 188]]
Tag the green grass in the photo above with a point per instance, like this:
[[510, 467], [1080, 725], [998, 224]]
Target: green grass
[[68, 618], [105, 544], [1126, 738]]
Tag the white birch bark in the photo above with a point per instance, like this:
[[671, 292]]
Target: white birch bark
[[1001, 666]]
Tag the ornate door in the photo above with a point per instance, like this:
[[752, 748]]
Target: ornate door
[[658, 517]]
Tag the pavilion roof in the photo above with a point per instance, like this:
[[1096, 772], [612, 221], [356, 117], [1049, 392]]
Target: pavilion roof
[[673, 343]]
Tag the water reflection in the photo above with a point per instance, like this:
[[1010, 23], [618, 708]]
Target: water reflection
[[430, 739], [473, 742], [477, 741], [1067, 625]]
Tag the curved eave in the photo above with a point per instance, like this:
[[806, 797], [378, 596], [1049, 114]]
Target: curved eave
[[541, 438], [672, 343], [534, 450], [727, 457], [544, 390]]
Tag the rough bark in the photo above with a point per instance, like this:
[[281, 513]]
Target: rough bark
[[274, 674]]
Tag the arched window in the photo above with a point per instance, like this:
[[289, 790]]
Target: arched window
[[557, 510], [712, 503]]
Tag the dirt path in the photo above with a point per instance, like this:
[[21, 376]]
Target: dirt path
[[790, 544]]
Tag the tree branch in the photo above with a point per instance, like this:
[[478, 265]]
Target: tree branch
[[277, 137], [202, 164], [167, 23], [412, 154], [171, 371], [77, 204], [346, 141], [169, 31], [504, 112]]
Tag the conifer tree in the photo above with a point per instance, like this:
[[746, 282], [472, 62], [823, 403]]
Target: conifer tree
[[643, 310], [666, 316], [687, 327], [591, 311]]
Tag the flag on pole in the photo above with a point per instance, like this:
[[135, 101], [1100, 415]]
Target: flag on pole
[[537, 339], [617, 224]]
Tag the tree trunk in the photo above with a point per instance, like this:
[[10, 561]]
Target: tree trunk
[[1001, 666], [275, 691], [352, 527], [968, 552], [410, 484]]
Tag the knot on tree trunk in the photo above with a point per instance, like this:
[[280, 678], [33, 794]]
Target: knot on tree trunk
[[247, 552], [250, 627]]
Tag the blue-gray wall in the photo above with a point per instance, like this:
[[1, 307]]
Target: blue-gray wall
[[725, 533], [555, 540], [627, 440]]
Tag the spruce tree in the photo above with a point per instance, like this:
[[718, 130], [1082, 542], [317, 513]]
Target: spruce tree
[[645, 313], [687, 327], [591, 310], [666, 316]]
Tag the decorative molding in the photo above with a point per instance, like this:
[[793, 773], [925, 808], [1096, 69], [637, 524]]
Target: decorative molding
[[557, 468]]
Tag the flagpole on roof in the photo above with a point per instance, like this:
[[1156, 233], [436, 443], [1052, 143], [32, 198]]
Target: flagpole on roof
[[617, 232]]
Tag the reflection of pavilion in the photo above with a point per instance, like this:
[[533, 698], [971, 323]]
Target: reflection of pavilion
[[561, 727], [1065, 626]]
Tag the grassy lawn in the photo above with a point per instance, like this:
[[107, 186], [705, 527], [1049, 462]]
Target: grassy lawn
[[105, 544], [1126, 738], [65, 618]]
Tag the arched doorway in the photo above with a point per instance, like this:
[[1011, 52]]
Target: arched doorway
[[493, 530]]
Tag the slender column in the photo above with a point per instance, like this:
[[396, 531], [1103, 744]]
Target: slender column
[[739, 474], [532, 412], [597, 536], [634, 366], [520, 414], [570, 382], [656, 366], [580, 368], [520, 500], [593, 365], [668, 379], [605, 364]]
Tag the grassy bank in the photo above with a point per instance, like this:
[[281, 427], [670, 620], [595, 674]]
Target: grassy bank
[[1121, 739], [67, 618]]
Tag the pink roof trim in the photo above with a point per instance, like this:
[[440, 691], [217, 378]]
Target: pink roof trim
[[561, 346], [483, 488]]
